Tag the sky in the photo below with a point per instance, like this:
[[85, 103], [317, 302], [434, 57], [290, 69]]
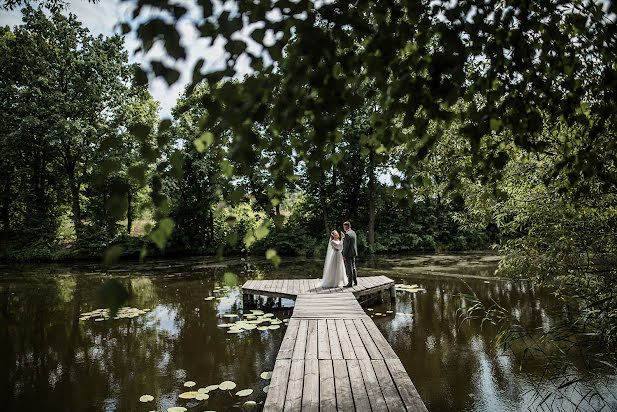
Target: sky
[[103, 18]]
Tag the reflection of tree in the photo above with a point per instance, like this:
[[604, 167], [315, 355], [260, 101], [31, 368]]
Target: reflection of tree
[[142, 291], [442, 357], [87, 365]]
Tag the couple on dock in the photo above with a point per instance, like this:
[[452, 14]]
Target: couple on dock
[[341, 259]]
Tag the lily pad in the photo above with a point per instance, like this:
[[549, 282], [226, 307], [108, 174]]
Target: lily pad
[[266, 375], [176, 409], [244, 392], [230, 315], [202, 396], [273, 327], [146, 398], [189, 395], [249, 404], [189, 384], [227, 385], [262, 328], [266, 388], [211, 387]]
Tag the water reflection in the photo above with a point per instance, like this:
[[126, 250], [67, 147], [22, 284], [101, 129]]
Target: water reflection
[[50, 360]]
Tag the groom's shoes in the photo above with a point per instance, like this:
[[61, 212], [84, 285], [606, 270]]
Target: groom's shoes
[[347, 285], [355, 284]]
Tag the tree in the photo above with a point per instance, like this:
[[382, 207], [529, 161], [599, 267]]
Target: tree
[[81, 80]]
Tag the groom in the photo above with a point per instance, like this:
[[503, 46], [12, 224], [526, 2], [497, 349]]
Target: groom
[[350, 251]]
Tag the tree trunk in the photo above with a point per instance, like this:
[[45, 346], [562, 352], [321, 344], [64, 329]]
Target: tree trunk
[[6, 207], [129, 211], [75, 206], [277, 212], [371, 194], [211, 225]]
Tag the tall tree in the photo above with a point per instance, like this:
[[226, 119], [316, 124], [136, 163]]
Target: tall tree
[[84, 79]]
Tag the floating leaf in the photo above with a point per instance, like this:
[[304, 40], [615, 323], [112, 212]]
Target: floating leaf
[[266, 375], [273, 327], [202, 396], [227, 385], [189, 384], [230, 315], [244, 392], [189, 395], [146, 398], [176, 409], [249, 404], [211, 387], [266, 388]]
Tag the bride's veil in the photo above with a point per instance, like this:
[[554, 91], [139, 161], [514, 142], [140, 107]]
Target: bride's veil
[[329, 255]]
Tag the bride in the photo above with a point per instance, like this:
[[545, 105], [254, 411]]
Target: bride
[[334, 268]]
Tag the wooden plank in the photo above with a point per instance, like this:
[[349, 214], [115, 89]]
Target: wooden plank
[[311, 340], [310, 390], [335, 346], [358, 391], [390, 394], [381, 342], [344, 400], [289, 340], [343, 336], [323, 340], [278, 386], [356, 341], [293, 287], [327, 394], [293, 399], [405, 386], [369, 345], [376, 398], [300, 345]]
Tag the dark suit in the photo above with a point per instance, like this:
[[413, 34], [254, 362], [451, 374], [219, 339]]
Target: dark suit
[[350, 251]]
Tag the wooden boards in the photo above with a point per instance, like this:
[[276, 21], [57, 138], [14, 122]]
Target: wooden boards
[[290, 288], [333, 358]]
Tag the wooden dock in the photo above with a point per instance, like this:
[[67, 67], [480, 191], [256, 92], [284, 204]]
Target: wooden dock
[[290, 288], [333, 357]]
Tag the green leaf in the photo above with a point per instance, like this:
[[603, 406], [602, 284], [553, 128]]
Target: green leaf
[[261, 232], [273, 256], [230, 279], [160, 235]]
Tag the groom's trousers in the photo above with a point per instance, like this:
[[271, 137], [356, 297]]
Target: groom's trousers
[[350, 268]]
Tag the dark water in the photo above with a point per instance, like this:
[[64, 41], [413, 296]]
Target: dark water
[[51, 360]]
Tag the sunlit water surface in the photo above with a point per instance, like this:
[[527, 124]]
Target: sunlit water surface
[[51, 360]]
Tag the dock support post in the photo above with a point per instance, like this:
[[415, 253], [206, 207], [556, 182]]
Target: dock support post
[[392, 293], [280, 303]]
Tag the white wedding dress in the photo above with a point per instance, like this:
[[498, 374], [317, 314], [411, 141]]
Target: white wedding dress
[[334, 269]]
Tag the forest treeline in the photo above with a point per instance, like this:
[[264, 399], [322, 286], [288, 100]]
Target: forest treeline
[[460, 137], [81, 143]]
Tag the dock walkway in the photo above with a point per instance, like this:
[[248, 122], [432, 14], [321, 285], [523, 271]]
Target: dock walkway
[[333, 357]]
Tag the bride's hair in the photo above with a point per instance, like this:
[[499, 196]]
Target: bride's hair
[[332, 234]]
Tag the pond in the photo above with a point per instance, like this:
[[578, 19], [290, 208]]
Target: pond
[[60, 351]]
